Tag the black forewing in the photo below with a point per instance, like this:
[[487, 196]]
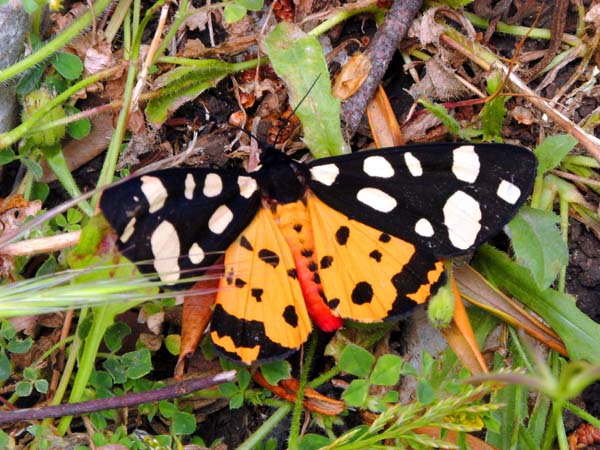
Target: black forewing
[[187, 210], [423, 189]]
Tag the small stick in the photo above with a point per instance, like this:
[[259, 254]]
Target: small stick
[[380, 52], [41, 245]]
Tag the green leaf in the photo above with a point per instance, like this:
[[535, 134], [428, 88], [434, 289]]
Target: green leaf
[[252, 5], [578, 332], [356, 360], [357, 393], [48, 267], [167, 409], [312, 441], [298, 60], [7, 156], [236, 401], [74, 216], [440, 308], [31, 80], [35, 169], [424, 392], [19, 346], [30, 6], [538, 244], [243, 378], [115, 334], [116, 370], [276, 371], [41, 386], [444, 116], [80, 128], [387, 370], [233, 12], [173, 344], [67, 64], [39, 191], [183, 84], [552, 151], [5, 368], [4, 438], [494, 111], [228, 389], [24, 388], [183, 423], [7, 330], [138, 363]]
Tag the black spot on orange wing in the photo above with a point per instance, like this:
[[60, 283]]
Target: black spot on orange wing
[[292, 273], [362, 293], [269, 257], [257, 294], [385, 238], [342, 235], [245, 243], [326, 262], [312, 266], [376, 255], [298, 227], [239, 283], [334, 303], [307, 253], [316, 278], [290, 316]]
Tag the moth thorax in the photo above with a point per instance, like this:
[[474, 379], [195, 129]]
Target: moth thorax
[[282, 179]]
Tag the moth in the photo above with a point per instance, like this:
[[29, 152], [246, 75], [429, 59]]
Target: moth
[[359, 237]]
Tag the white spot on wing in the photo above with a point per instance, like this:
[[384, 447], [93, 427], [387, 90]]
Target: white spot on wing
[[423, 228], [154, 191], [196, 254], [462, 216], [220, 219], [128, 231], [247, 186], [376, 199], [190, 185], [213, 185], [508, 192], [465, 164], [166, 250], [325, 174], [378, 166], [413, 164]]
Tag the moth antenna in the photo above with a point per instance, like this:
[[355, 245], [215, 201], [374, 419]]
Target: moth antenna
[[287, 120]]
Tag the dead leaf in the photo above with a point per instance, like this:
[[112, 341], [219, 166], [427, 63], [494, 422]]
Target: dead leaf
[[593, 15], [382, 121], [99, 57], [197, 19], [438, 83], [352, 76], [523, 115]]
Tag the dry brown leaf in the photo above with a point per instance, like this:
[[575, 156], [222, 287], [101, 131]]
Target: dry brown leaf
[[593, 15], [382, 121], [98, 57], [523, 115], [438, 83], [197, 19], [352, 76]]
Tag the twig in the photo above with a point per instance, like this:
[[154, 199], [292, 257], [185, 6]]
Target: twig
[[380, 52], [41, 245], [128, 400]]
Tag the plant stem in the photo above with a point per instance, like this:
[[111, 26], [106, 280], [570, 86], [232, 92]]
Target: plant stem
[[341, 16], [259, 435], [56, 44]]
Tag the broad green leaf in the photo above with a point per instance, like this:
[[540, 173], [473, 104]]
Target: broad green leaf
[[41, 386], [24, 388], [116, 370], [298, 60], [252, 5], [236, 401], [387, 370], [167, 409], [356, 360], [67, 64], [80, 128], [115, 334], [243, 378], [19, 346], [492, 115], [138, 363], [31, 80], [4, 438], [578, 332], [233, 12], [538, 244], [7, 156], [39, 191], [30, 6], [184, 84], [357, 393], [276, 371], [173, 344], [552, 151], [228, 389], [5, 369], [183, 423], [424, 392], [313, 442]]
